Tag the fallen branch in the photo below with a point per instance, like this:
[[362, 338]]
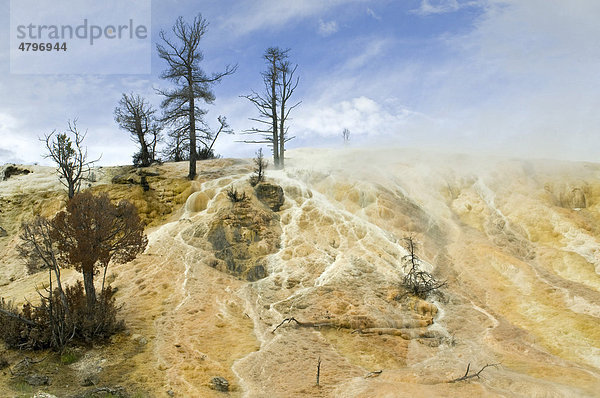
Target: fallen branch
[[373, 374], [467, 376], [286, 320], [305, 324], [25, 363], [318, 370], [405, 333], [18, 317]]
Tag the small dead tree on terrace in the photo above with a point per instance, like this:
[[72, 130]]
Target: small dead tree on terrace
[[260, 164], [417, 281], [70, 157]]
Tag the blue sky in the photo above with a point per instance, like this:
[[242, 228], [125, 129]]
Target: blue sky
[[513, 77]]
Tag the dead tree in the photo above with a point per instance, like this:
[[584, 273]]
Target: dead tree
[[417, 281], [223, 128], [346, 135], [192, 84], [70, 157], [260, 164], [287, 86], [468, 376], [135, 115], [39, 250], [272, 105]]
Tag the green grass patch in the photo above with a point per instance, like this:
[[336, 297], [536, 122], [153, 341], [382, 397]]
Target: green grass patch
[[69, 356]]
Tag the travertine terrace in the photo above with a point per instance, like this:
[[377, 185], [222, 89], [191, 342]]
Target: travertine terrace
[[517, 242]]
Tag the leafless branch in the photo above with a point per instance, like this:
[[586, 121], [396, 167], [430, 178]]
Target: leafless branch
[[467, 376]]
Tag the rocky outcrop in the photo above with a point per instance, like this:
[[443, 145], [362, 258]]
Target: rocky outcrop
[[241, 236], [219, 384], [135, 177], [11, 170], [3, 232], [569, 196], [270, 194]]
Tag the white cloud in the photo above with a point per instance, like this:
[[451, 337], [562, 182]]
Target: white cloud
[[327, 28], [524, 80], [363, 116], [9, 156], [274, 14], [429, 7], [17, 144], [366, 51], [372, 14]]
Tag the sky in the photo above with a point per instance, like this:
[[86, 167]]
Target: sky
[[510, 77]]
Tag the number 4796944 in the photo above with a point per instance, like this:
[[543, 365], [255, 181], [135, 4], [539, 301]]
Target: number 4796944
[[43, 46]]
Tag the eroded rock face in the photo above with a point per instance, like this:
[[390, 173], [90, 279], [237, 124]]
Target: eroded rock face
[[270, 194], [569, 196], [241, 236]]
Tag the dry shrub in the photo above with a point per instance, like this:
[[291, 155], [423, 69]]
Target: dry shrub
[[235, 196], [51, 325]]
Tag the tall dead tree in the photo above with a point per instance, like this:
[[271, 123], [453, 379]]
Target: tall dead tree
[[287, 86], [192, 84], [135, 115], [66, 150], [272, 104]]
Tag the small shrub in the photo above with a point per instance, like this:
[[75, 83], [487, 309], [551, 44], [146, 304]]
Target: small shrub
[[206, 153], [51, 325], [234, 196]]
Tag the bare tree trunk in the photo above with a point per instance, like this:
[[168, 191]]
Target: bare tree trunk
[[276, 155], [281, 136], [144, 154], [90, 290], [193, 154], [63, 298]]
